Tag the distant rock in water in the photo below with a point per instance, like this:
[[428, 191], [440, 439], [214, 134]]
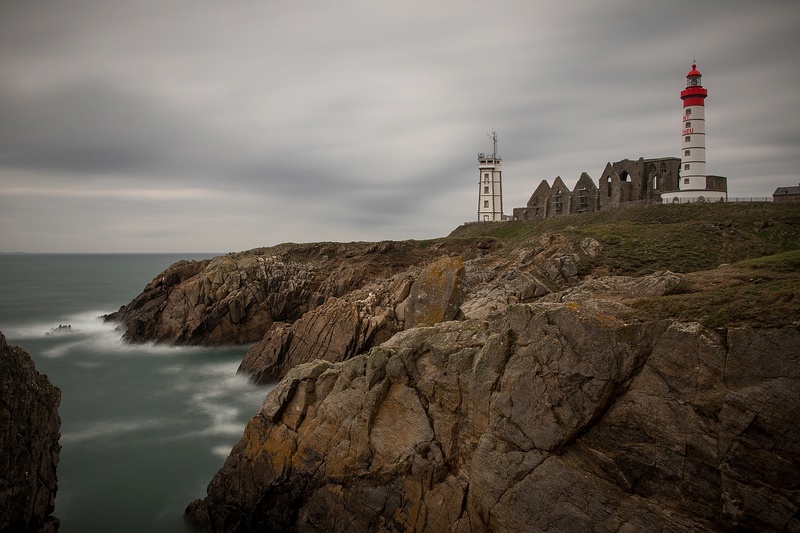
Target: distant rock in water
[[60, 329], [567, 415], [29, 449]]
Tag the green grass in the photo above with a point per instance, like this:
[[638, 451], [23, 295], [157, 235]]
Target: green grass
[[761, 292], [681, 238]]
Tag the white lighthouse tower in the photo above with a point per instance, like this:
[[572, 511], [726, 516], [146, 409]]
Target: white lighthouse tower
[[694, 185], [490, 185]]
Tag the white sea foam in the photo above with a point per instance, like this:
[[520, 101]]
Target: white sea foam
[[89, 333], [215, 393], [88, 364], [112, 428], [221, 451]]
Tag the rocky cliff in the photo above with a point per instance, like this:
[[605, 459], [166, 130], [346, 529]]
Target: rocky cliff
[[29, 433], [568, 415], [511, 377]]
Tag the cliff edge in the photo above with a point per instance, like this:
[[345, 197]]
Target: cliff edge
[[29, 449]]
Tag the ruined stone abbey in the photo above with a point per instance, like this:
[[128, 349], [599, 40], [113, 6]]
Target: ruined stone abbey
[[623, 183]]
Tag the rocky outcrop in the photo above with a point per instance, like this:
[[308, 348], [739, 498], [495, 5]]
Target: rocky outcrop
[[620, 288], [344, 327], [553, 416], [236, 298], [230, 299], [29, 433]]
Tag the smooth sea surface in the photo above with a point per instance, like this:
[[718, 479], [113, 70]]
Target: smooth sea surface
[[143, 427]]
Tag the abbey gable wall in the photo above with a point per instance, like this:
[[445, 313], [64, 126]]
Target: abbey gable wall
[[626, 182]]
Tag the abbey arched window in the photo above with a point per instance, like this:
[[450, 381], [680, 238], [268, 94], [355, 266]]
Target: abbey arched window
[[608, 185]]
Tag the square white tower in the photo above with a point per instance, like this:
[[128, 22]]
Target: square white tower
[[490, 185]]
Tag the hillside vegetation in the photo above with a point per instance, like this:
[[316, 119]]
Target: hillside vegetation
[[741, 261]]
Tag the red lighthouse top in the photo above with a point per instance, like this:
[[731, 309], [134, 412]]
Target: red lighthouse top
[[694, 93]]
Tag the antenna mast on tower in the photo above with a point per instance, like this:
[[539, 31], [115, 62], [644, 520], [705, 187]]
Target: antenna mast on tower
[[494, 144]]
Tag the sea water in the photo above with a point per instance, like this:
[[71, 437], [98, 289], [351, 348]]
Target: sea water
[[143, 427]]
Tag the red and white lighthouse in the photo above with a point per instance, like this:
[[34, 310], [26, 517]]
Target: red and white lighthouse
[[693, 160], [694, 185]]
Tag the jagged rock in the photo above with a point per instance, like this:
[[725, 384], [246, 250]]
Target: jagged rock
[[488, 293], [335, 331], [344, 327], [29, 449], [236, 298], [560, 417]]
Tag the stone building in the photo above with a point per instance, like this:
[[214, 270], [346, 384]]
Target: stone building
[[626, 182], [787, 194]]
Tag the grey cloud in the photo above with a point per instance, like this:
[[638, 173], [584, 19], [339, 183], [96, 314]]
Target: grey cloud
[[361, 120]]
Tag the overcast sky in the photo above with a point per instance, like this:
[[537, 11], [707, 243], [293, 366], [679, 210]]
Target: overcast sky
[[195, 126]]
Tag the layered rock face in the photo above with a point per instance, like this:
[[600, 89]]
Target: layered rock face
[[237, 298], [570, 414], [344, 327], [29, 433]]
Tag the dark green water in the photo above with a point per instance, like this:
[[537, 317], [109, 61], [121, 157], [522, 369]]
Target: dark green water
[[143, 428]]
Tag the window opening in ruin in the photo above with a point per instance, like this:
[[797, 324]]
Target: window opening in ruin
[[583, 200]]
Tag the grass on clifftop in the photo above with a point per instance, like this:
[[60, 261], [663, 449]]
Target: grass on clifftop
[[760, 292], [741, 260], [681, 238]]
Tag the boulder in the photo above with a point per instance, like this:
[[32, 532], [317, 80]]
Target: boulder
[[29, 449], [436, 294]]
